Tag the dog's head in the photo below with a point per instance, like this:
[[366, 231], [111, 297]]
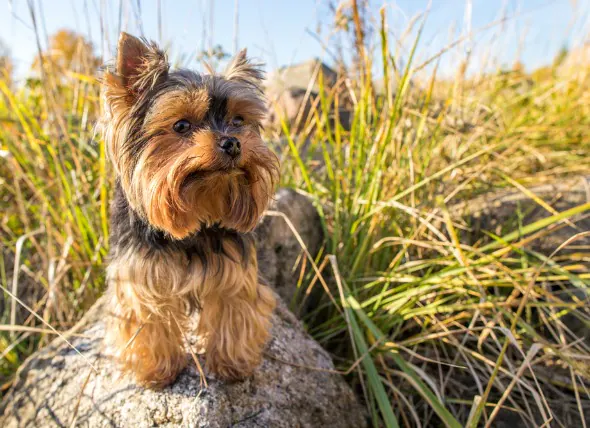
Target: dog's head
[[186, 146]]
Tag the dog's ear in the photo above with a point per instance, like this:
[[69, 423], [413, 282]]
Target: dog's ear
[[243, 70], [140, 64]]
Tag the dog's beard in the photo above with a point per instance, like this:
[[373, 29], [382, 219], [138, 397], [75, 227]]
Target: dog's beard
[[180, 192]]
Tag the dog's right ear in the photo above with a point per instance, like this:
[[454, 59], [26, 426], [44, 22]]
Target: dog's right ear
[[140, 64]]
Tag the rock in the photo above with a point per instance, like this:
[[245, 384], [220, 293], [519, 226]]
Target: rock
[[497, 212], [294, 386], [293, 91], [57, 386], [302, 75], [279, 253]]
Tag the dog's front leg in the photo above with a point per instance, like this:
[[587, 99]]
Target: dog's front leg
[[148, 315], [235, 314]]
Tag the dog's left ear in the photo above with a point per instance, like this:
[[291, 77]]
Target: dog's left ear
[[243, 70], [140, 64]]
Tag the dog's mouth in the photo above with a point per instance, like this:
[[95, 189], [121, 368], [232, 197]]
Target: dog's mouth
[[202, 175]]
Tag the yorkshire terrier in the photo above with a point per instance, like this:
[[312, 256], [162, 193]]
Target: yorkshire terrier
[[193, 178]]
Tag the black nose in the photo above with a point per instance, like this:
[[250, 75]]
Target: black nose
[[231, 146]]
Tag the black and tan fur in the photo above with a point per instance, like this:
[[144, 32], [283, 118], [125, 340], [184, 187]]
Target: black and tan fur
[[183, 211]]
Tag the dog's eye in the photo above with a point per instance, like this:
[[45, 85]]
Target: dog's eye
[[237, 121], [182, 126]]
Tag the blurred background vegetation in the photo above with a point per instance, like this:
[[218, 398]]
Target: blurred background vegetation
[[448, 311]]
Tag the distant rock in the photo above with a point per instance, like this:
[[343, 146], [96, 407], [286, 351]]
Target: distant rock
[[300, 76], [291, 92], [497, 212]]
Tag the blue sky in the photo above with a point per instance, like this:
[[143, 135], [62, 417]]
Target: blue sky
[[277, 32]]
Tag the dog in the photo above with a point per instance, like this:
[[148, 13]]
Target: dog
[[193, 178]]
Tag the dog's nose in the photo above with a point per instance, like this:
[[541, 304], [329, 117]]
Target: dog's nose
[[231, 146]]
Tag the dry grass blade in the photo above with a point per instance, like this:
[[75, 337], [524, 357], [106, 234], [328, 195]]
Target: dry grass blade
[[79, 399], [15, 272], [305, 250], [202, 377], [61, 336], [18, 328]]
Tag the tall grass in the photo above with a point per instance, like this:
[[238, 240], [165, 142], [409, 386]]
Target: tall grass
[[441, 327], [458, 329], [54, 196]]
